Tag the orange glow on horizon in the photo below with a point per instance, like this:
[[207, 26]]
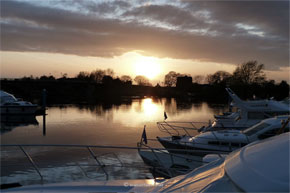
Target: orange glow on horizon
[[20, 64]]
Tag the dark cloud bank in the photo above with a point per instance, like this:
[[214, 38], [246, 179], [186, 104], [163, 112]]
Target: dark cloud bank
[[230, 32]]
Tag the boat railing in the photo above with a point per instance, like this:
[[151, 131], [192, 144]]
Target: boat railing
[[90, 149], [177, 128]]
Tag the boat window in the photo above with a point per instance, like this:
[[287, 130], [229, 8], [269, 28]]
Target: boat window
[[225, 143], [235, 144], [256, 115], [252, 130], [213, 143]]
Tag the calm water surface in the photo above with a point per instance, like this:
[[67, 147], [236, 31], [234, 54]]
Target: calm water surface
[[106, 124]]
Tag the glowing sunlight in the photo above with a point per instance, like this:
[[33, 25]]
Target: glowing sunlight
[[147, 66]]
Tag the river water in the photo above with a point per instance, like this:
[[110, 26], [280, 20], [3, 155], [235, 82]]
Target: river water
[[108, 124]]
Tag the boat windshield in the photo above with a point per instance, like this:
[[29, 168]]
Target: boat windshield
[[254, 129]]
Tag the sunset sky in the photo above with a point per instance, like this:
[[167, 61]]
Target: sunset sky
[[142, 37]]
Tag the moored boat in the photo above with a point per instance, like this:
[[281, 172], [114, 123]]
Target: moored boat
[[226, 140], [248, 113], [11, 105]]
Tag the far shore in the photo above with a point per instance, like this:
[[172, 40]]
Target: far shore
[[65, 91]]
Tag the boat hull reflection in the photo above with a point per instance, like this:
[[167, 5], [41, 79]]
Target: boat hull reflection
[[9, 122]]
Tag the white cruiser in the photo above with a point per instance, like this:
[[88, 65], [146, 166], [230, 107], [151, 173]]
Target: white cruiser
[[262, 166], [11, 105], [248, 113], [226, 140]]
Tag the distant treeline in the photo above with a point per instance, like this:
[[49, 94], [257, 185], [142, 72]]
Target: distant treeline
[[248, 81]]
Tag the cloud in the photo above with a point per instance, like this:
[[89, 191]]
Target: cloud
[[272, 16], [209, 31]]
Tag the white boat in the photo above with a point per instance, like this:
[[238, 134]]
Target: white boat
[[11, 105], [165, 164], [262, 166], [226, 140], [248, 113], [168, 165]]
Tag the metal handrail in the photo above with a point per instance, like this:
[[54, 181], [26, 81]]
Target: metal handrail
[[102, 166], [32, 162], [168, 126], [89, 148]]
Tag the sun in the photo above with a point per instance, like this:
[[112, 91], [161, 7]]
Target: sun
[[148, 67]]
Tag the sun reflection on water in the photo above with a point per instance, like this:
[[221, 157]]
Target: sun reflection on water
[[149, 108]]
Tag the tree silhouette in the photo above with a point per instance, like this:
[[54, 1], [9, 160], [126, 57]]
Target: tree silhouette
[[126, 78], [249, 73], [142, 81], [219, 77], [83, 75], [170, 79], [98, 74], [198, 79], [109, 72]]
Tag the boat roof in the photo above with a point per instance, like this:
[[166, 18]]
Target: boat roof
[[261, 166]]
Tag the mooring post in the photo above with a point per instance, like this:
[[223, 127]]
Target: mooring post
[[44, 99], [44, 111]]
